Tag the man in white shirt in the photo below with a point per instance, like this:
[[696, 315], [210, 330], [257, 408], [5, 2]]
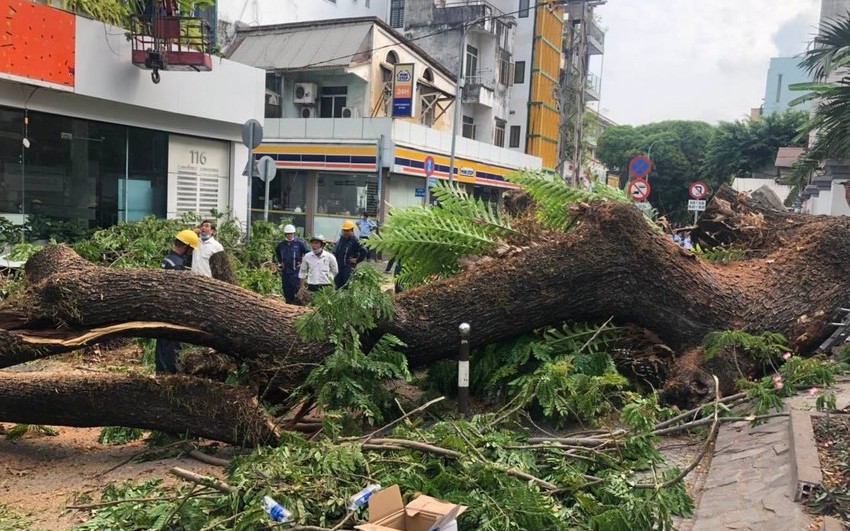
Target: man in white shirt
[[207, 247], [318, 267]]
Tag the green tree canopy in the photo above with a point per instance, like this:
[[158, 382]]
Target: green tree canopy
[[742, 147], [677, 152]]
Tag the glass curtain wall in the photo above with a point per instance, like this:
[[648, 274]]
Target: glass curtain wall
[[78, 175]]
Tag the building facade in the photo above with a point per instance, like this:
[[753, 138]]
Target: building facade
[[784, 72], [88, 140], [331, 130], [266, 12]]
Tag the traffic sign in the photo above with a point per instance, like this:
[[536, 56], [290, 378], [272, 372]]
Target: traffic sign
[[698, 190], [639, 190], [696, 205], [267, 168], [429, 166], [432, 181], [640, 166], [252, 134]]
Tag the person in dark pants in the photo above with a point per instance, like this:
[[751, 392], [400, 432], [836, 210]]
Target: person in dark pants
[[166, 349], [348, 252], [288, 254]]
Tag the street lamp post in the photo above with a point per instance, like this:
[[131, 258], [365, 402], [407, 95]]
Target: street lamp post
[[649, 151]]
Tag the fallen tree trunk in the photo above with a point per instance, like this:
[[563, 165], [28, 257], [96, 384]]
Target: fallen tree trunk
[[171, 404], [612, 264]]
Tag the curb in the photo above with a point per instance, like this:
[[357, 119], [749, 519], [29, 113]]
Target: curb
[[806, 474]]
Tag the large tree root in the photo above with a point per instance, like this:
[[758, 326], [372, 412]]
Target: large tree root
[[171, 404]]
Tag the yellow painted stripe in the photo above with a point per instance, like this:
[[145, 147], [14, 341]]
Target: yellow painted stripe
[[415, 154], [313, 149]]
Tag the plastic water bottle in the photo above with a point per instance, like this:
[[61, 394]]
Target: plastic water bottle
[[276, 511], [361, 498]]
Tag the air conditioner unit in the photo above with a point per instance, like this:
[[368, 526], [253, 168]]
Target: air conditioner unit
[[308, 112], [348, 112], [305, 93]]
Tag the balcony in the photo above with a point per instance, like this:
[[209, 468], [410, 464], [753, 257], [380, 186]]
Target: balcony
[[595, 38], [480, 90], [594, 87], [457, 12]]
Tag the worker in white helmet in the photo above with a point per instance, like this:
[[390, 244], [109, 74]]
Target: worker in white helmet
[[288, 254]]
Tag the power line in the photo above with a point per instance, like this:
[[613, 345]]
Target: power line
[[405, 40]]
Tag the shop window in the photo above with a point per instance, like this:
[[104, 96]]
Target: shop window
[[468, 127], [333, 100], [287, 199], [471, 70], [343, 196], [519, 72], [516, 132], [499, 135], [397, 13], [523, 8], [146, 187]]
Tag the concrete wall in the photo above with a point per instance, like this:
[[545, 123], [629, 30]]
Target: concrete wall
[[261, 12], [356, 98], [783, 72]]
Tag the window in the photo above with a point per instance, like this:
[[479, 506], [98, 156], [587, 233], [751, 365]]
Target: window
[[397, 13], [274, 90], [471, 71], [779, 88], [287, 198], [340, 196], [428, 75], [519, 72], [332, 102], [516, 131], [505, 67], [499, 135], [468, 127], [523, 8], [392, 58]]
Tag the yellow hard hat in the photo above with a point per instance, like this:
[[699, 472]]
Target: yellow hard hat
[[348, 225], [188, 237]]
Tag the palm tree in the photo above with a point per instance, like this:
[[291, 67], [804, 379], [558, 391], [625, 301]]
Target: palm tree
[[828, 62]]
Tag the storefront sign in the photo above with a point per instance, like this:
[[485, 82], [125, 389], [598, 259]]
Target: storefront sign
[[403, 89], [467, 172], [37, 44], [198, 175]]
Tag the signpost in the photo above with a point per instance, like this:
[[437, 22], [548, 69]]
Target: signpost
[[268, 170], [429, 165], [639, 190], [252, 136], [697, 190], [640, 166]]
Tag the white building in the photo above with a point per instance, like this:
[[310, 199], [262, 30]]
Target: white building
[[87, 138], [265, 12], [330, 127]]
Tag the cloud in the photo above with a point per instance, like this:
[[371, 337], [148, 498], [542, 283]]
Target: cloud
[[687, 59]]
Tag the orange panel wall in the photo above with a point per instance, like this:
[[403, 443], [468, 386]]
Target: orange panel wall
[[37, 42], [543, 116]]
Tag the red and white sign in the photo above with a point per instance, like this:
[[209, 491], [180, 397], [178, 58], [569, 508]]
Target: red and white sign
[[698, 190], [639, 189]]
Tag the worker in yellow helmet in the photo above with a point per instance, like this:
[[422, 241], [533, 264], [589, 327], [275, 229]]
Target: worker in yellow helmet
[[348, 252], [167, 350]]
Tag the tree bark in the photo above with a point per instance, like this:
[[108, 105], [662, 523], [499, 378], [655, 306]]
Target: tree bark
[[172, 404], [612, 264]]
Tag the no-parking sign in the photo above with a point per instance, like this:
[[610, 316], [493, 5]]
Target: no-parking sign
[[639, 189]]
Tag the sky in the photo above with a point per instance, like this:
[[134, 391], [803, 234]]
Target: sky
[[695, 59]]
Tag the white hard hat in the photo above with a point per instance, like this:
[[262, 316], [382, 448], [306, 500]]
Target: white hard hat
[[289, 229]]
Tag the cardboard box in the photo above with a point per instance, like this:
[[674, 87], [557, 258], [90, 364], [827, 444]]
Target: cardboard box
[[387, 512]]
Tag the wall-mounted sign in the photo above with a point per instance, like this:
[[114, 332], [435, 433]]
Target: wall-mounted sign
[[467, 172], [403, 89]]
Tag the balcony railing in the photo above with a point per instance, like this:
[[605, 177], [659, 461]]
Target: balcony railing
[[595, 38], [594, 87]]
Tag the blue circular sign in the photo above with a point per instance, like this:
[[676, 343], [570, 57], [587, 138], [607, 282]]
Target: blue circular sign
[[640, 166], [429, 166]]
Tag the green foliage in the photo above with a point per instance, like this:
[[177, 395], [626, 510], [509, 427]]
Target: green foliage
[[553, 196], [21, 252], [12, 520], [116, 435], [561, 373], [677, 153], [796, 373], [429, 241], [350, 379], [118, 12], [765, 348], [721, 255], [19, 430], [826, 402], [740, 148]]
